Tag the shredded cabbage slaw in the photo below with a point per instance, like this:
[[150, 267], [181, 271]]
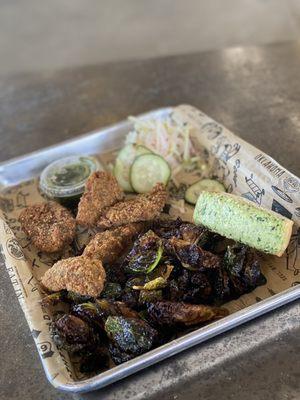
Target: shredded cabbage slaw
[[166, 138]]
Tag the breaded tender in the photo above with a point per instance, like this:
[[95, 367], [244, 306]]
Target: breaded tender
[[107, 246], [101, 191], [81, 275], [49, 226], [143, 207]]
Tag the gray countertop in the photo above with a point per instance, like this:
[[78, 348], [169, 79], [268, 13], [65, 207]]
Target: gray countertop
[[255, 92]]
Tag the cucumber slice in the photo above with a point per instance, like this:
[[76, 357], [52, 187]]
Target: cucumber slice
[[147, 170], [123, 163], [208, 185]]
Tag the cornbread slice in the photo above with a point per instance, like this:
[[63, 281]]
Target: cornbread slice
[[243, 221]]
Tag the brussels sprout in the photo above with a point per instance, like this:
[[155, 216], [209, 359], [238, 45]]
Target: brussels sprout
[[111, 291], [108, 308], [131, 299], [168, 313], [77, 298], [73, 334], [163, 270], [150, 296], [194, 257], [157, 283], [118, 356], [190, 287], [95, 314], [145, 255], [53, 299], [95, 361], [168, 228], [243, 269], [132, 336], [137, 281], [89, 313], [221, 286], [115, 273], [194, 234], [63, 297]]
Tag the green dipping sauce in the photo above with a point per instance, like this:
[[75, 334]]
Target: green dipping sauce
[[64, 180]]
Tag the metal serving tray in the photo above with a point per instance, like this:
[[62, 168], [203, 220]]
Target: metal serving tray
[[19, 169]]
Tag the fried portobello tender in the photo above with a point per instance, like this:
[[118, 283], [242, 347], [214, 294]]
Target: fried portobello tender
[[81, 275], [109, 245], [101, 191], [168, 313], [143, 207], [49, 226]]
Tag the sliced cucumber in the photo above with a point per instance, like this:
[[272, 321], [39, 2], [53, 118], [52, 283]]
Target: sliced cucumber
[[209, 185], [123, 163], [147, 170]]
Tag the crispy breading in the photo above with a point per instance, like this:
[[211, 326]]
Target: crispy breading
[[143, 207], [108, 246], [49, 226], [81, 275], [101, 191]]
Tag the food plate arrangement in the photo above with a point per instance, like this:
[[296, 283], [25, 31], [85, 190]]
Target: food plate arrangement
[[195, 159]]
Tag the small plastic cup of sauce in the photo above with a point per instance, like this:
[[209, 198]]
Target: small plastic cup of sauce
[[64, 180]]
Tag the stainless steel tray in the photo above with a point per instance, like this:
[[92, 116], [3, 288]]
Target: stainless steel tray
[[23, 168]]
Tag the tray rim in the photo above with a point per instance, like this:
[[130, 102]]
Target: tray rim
[[178, 345]]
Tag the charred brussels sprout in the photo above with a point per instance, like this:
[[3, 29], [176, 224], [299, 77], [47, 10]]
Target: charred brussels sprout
[[95, 314], [118, 356], [131, 296], [108, 308], [194, 234], [168, 313], [131, 336], [187, 231], [112, 291], [89, 313], [73, 334], [154, 284], [150, 296], [77, 298], [243, 269], [115, 273], [221, 286], [192, 256], [131, 299], [137, 281], [53, 299], [191, 287], [167, 228], [63, 297], [163, 270], [95, 361], [145, 255]]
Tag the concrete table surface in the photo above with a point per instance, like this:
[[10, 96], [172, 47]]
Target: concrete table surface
[[255, 92]]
